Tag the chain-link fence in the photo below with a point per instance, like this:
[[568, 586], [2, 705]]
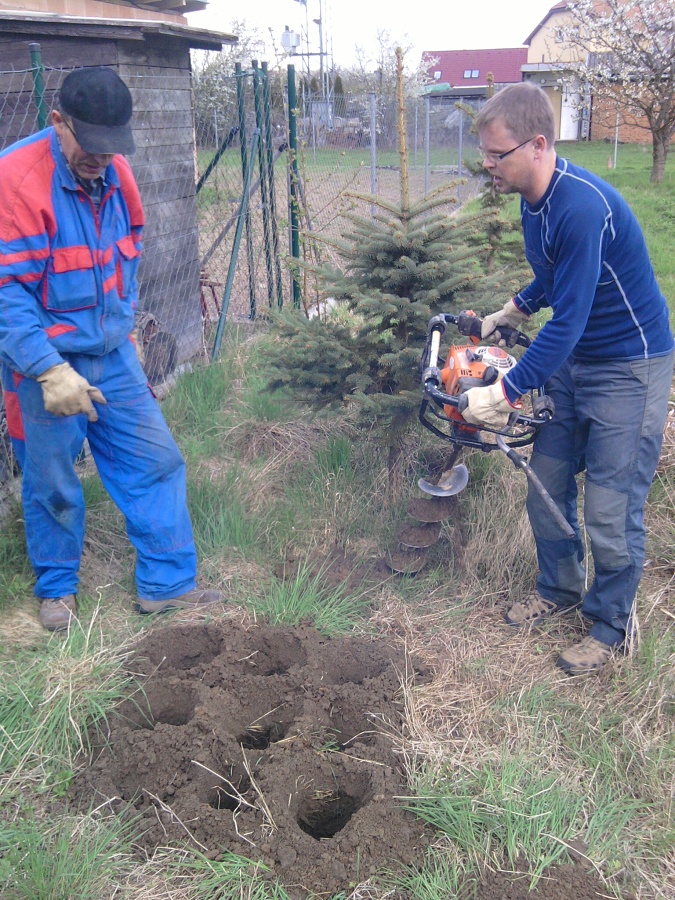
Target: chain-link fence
[[229, 204], [352, 144]]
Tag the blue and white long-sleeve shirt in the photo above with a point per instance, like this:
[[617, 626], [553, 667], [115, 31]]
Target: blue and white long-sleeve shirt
[[591, 266]]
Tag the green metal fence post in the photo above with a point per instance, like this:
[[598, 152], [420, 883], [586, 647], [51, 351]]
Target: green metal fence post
[[216, 159], [269, 152], [293, 191], [243, 208], [38, 84], [243, 146], [264, 192]]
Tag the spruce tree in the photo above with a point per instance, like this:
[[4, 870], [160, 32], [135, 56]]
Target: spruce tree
[[402, 265]]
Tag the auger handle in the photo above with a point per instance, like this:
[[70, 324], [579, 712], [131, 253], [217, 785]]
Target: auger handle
[[520, 463], [469, 325], [431, 377]]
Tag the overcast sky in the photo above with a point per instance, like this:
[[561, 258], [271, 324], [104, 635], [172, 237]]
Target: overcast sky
[[350, 23]]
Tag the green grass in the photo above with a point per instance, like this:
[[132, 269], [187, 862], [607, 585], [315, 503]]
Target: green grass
[[505, 811], [219, 513], [230, 878], [306, 596], [80, 857], [51, 701], [440, 879], [16, 576]]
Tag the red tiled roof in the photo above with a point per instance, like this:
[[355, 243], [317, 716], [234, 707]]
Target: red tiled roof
[[453, 64]]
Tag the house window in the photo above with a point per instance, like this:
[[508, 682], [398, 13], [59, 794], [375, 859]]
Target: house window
[[471, 73], [437, 75]]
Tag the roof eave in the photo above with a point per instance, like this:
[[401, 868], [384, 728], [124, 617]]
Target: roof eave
[[121, 29]]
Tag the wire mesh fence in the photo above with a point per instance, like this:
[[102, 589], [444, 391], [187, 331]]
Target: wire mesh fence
[[223, 192]]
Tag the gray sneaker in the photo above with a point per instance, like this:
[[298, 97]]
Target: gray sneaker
[[194, 599], [56, 613], [534, 609]]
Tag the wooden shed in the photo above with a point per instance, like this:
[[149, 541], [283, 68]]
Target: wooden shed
[[153, 58]]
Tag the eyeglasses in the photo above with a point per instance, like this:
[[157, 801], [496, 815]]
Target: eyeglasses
[[498, 157], [69, 127]]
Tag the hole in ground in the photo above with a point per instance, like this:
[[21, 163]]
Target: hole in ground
[[227, 795], [259, 737], [324, 815], [173, 705]]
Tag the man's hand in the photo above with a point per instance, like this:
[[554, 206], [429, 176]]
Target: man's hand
[[489, 406], [509, 315], [65, 393]]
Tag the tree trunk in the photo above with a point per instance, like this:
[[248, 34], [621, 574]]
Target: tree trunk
[[660, 144]]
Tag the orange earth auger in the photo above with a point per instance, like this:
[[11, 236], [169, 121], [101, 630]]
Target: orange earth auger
[[466, 366]]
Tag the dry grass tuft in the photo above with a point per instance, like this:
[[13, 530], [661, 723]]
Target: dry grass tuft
[[21, 627]]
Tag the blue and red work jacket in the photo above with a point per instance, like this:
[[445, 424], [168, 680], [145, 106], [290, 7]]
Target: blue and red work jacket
[[67, 270]]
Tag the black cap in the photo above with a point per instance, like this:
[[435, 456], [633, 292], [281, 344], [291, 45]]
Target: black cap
[[99, 103]]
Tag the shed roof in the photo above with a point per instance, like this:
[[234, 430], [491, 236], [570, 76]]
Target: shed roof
[[469, 68], [13, 22]]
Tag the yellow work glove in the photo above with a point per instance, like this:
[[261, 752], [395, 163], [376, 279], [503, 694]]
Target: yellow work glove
[[489, 406], [65, 393], [508, 315]]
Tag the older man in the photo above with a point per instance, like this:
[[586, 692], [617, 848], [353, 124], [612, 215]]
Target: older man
[[71, 221]]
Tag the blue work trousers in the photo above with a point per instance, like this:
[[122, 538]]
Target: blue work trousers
[[609, 421], [139, 464]]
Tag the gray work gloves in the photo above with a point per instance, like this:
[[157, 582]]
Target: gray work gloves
[[65, 393]]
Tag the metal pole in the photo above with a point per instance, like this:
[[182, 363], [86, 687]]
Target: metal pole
[[269, 164], [616, 136], [460, 149], [373, 148], [38, 84], [264, 192], [241, 108], [243, 207], [426, 146], [293, 192], [216, 159], [416, 110], [323, 91]]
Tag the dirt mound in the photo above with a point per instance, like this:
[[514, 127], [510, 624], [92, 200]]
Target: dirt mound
[[278, 744]]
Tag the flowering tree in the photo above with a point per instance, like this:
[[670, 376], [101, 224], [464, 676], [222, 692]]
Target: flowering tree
[[630, 63]]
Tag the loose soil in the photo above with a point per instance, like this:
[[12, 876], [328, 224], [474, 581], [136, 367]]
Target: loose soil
[[281, 745], [278, 744]]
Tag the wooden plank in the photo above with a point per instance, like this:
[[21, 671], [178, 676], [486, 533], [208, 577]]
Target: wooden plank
[[146, 152], [61, 53], [157, 192], [153, 79], [159, 51], [161, 259], [78, 28]]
